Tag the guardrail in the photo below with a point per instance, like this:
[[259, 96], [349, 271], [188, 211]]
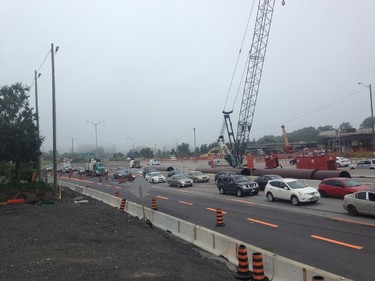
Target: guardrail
[[277, 268]]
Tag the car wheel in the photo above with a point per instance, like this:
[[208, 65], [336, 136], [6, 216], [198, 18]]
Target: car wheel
[[153, 181], [323, 194], [239, 192], [352, 210], [270, 197], [294, 200], [221, 189]]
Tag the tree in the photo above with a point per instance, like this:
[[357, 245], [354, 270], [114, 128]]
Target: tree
[[366, 124], [345, 126], [19, 139], [183, 149]]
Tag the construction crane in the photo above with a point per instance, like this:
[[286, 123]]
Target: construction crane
[[287, 147], [255, 61]]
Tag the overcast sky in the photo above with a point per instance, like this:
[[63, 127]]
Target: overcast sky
[[154, 70]]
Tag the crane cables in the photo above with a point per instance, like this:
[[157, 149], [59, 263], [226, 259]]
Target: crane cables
[[237, 61]]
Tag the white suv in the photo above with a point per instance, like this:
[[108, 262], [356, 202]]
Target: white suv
[[153, 162], [291, 189]]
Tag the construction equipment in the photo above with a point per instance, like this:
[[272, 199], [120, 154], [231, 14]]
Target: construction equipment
[[255, 61], [288, 148]]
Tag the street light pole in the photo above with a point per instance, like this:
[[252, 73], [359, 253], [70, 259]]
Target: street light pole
[[372, 116], [96, 135], [54, 146], [37, 121]]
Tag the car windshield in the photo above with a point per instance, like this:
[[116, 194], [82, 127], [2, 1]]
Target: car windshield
[[241, 179], [153, 174], [180, 176], [352, 183], [297, 184], [274, 177], [198, 173]]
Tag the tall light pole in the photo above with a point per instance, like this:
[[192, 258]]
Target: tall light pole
[[132, 142], [37, 121], [54, 149], [372, 115], [96, 135]]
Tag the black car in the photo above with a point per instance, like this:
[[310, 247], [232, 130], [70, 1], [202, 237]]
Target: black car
[[222, 173], [264, 179], [120, 173], [236, 184]]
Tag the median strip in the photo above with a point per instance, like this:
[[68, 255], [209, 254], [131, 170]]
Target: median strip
[[337, 242]]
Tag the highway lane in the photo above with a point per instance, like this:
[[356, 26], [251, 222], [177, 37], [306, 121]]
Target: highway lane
[[293, 232]]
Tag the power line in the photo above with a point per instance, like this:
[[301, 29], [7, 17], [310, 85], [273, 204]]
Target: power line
[[311, 112]]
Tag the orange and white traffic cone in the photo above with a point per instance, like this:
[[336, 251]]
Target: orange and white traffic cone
[[219, 218], [122, 205], [243, 271], [117, 194], [258, 270], [153, 204]]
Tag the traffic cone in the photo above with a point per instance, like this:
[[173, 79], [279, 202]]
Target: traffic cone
[[80, 176], [258, 270], [122, 205], [243, 271], [219, 218], [117, 194], [153, 204], [70, 175], [100, 179], [316, 278]]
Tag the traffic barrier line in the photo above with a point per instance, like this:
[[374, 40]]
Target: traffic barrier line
[[337, 242], [162, 197], [186, 203], [262, 222], [214, 210]]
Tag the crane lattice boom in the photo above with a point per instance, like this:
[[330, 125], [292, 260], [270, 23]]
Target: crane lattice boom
[[255, 63]]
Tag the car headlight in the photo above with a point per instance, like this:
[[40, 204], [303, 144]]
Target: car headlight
[[301, 193]]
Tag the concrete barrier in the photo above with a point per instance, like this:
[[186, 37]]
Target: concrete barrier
[[277, 268]]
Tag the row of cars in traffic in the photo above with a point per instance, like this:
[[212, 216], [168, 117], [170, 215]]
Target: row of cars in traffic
[[358, 198], [174, 177], [361, 164]]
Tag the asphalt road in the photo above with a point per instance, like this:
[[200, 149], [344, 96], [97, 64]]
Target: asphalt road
[[293, 232]]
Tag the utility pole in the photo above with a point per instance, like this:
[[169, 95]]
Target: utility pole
[[195, 141], [372, 117], [39, 165], [54, 149], [72, 146]]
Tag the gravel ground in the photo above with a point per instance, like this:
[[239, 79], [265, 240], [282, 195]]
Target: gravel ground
[[93, 241]]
